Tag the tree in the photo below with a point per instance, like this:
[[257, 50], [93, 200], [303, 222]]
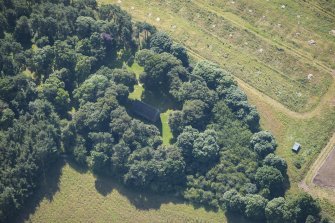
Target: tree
[[255, 207], [276, 162], [92, 89], [146, 30], [119, 91], [306, 207], [140, 171], [22, 32], [310, 219], [237, 102], [170, 166], [143, 55], [205, 148], [271, 178], [120, 121], [83, 67], [86, 26], [197, 90], [3, 25], [119, 158], [102, 142], [233, 201], [94, 116], [263, 143], [18, 91], [42, 61], [80, 151], [122, 76], [53, 90], [140, 135], [195, 113], [160, 170], [157, 67], [211, 73], [6, 115], [179, 51], [160, 42], [278, 211], [65, 56], [176, 122], [98, 162], [185, 142]]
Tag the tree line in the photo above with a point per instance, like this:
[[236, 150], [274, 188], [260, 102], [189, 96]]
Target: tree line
[[64, 88]]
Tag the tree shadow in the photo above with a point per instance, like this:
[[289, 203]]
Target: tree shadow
[[73, 164], [146, 200], [103, 185], [236, 218], [287, 183], [142, 200], [46, 190], [159, 100]]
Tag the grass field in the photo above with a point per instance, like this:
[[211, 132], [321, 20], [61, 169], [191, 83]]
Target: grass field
[[265, 46], [104, 200]]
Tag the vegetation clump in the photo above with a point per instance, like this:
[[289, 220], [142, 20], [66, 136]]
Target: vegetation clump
[[64, 89]]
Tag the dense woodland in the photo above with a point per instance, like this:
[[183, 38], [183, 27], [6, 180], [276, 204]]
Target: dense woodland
[[64, 89]]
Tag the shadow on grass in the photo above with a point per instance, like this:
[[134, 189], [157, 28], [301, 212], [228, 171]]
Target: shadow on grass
[[235, 218], [73, 164], [142, 200], [159, 100], [145, 200], [49, 185]]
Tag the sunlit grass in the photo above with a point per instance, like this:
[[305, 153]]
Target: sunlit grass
[[166, 131], [82, 197]]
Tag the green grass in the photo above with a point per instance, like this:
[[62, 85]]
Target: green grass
[[137, 69], [166, 131], [81, 197], [28, 73], [138, 89], [137, 93]]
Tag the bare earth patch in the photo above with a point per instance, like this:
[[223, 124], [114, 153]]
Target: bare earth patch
[[325, 177]]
